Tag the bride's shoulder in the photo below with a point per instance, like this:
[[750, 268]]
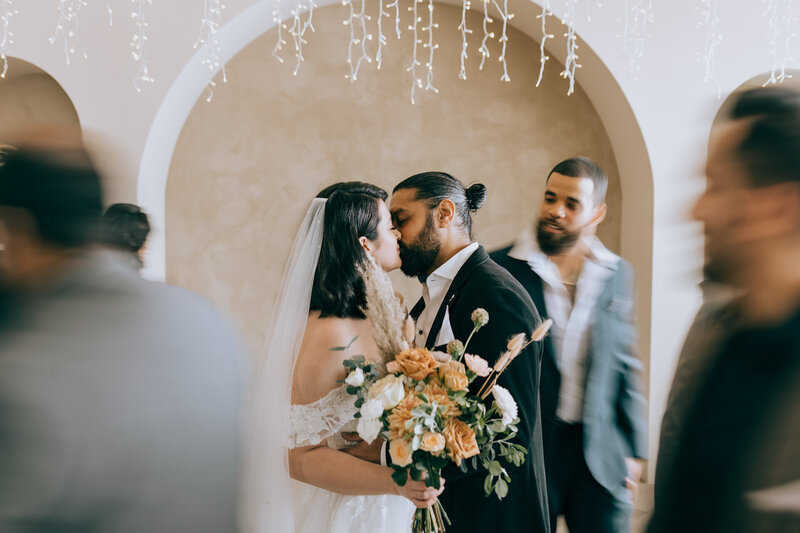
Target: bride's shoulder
[[330, 331]]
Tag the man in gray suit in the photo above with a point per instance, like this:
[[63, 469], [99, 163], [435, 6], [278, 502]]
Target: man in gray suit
[[119, 398], [593, 414]]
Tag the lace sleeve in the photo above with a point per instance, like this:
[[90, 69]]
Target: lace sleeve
[[313, 423]]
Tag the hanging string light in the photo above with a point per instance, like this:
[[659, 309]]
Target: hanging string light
[[67, 28], [207, 39], [484, 50], [6, 37], [638, 16], [779, 11], [396, 6], [709, 23], [506, 16], [139, 42], [381, 36], [361, 18], [431, 48], [543, 57], [280, 25], [298, 30], [465, 6], [416, 82], [571, 62], [110, 14]]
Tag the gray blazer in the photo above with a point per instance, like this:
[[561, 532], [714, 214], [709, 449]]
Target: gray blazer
[[119, 408], [614, 413]]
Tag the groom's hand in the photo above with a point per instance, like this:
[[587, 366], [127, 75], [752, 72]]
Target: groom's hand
[[364, 451]]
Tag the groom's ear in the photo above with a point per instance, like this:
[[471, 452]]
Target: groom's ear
[[444, 213]]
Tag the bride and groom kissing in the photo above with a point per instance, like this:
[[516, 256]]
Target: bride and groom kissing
[[304, 474]]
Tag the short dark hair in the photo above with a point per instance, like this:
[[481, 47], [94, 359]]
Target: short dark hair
[[59, 187], [125, 226], [435, 186], [770, 149], [583, 167], [338, 288]]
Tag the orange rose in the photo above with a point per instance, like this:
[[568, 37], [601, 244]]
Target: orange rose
[[432, 442], [400, 452], [437, 393], [454, 375], [460, 440], [416, 363], [402, 414]]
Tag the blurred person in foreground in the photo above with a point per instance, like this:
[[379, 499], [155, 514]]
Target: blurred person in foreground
[[735, 466], [125, 228], [6, 304], [119, 398]]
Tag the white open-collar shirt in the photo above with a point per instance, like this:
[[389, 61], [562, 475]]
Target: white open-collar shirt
[[434, 289], [571, 322]]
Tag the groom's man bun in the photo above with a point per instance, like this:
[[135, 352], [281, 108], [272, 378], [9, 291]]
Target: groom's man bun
[[435, 186]]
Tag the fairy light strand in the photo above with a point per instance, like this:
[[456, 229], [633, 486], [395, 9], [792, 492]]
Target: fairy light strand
[[543, 57], [139, 43], [208, 40], [484, 50], [777, 33], [431, 48], [6, 37], [281, 26], [709, 23], [638, 16], [505, 16], [110, 14], [381, 37], [361, 18], [416, 82], [465, 6], [67, 28], [396, 6], [571, 64]]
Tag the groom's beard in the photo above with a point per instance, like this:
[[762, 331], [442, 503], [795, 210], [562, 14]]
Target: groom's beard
[[419, 256]]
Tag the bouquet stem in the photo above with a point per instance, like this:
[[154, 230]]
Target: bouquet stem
[[430, 520]]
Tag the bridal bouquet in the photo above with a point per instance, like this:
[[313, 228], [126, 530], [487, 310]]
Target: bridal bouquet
[[420, 402]]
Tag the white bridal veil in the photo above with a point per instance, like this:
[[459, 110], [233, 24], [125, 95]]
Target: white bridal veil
[[267, 492]]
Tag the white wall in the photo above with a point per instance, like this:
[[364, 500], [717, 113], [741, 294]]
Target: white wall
[[664, 117]]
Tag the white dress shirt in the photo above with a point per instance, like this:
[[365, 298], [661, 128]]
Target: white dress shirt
[[434, 290], [571, 322]]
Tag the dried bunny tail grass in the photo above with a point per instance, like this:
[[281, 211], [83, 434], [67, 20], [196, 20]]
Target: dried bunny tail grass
[[384, 310]]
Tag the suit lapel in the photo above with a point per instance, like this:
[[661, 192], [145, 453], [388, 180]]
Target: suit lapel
[[477, 258], [537, 295]]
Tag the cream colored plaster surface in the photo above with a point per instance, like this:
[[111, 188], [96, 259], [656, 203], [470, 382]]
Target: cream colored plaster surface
[[247, 164], [30, 100]]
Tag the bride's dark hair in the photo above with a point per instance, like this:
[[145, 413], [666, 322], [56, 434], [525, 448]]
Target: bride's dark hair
[[350, 212]]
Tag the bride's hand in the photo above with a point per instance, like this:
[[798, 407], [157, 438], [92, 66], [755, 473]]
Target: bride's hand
[[420, 495]]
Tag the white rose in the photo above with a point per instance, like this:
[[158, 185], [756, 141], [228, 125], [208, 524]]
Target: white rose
[[355, 378], [369, 429], [389, 390], [372, 408], [505, 402]]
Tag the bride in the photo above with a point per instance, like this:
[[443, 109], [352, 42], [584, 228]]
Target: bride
[[320, 307]]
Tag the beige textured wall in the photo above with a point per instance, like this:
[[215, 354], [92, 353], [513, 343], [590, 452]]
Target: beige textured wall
[[247, 164], [30, 98]]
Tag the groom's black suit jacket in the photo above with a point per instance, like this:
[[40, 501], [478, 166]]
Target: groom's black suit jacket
[[482, 283]]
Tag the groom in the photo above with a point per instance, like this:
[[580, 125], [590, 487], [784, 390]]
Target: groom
[[432, 211]]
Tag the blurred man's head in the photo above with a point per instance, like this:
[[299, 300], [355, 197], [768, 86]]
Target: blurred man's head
[[126, 227], [50, 205], [751, 207], [574, 204]]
